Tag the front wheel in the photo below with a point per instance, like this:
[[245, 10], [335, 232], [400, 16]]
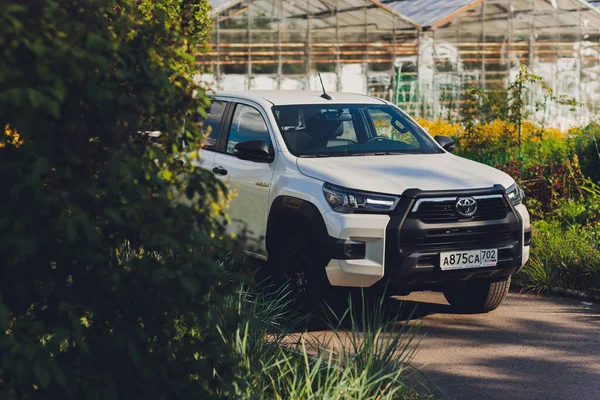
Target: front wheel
[[478, 296], [297, 264]]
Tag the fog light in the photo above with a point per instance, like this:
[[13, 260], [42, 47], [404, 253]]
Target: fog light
[[527, 237], [349, 250]]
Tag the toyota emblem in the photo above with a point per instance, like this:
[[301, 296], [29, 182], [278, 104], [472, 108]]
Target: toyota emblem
[[466, 207]]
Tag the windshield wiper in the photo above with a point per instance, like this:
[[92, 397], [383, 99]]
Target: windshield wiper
[[318, 155], [379, 153], [372, 153]]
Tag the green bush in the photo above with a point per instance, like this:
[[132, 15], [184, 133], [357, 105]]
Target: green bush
[[562, 258], [547, 185], [565, 253], [586, 141], [109, 285]]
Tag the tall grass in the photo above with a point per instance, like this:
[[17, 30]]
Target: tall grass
[[364, 355]]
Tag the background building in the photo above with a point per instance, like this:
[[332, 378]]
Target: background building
[[421, 54]]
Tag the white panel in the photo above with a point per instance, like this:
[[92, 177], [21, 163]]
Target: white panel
[[263, 83], [293, 84], [353, 78], [329, 79], [232, 82]]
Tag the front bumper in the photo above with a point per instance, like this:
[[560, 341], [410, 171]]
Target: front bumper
[[404, 249], [367, 228]]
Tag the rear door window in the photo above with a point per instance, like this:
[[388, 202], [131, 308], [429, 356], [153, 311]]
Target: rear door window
[[211, 125]]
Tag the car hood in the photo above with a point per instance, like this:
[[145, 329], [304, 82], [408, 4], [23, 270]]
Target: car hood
[[394, 174]]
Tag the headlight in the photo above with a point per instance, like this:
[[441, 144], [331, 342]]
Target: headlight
[[347, 200], [515, 194]]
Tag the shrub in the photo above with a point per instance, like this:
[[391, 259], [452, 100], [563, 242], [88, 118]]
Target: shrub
[[547, 184], [584, 212], [441, 127], [562, 258], [586, 141], [109, 288], [496, 141]]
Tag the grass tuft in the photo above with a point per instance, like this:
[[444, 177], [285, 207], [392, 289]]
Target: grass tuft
[[364, 355]]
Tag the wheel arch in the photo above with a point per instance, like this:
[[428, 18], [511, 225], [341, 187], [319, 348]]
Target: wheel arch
[[289, 214]]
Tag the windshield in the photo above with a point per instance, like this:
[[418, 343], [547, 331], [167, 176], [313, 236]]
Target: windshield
[[349, 130]]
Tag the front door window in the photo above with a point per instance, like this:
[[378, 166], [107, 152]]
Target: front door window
[[247, 124]]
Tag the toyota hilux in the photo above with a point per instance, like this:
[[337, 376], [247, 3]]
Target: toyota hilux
[[347, 190]]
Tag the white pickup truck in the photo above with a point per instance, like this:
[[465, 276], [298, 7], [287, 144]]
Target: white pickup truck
[[348, 190]]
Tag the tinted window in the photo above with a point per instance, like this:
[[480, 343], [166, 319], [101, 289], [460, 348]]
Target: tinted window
[[212, 123], [247, 124], [346, 130]]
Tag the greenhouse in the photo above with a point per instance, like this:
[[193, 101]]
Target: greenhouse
[[420, 54]]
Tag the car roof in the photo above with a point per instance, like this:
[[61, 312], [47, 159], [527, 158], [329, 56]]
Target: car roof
[[291, 97]]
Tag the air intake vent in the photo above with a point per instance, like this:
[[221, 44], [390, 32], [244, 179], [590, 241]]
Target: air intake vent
[[459, 238]]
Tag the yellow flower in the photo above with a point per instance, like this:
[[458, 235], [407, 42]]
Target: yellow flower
[[442, 128], [15, 139]]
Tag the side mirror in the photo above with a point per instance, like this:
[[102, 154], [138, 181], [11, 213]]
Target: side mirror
[[253, 150], [446, 142]]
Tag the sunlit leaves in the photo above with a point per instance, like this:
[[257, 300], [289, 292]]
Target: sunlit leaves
[[101, 258]]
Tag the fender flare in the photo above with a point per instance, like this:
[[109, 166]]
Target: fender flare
[[302, 214]]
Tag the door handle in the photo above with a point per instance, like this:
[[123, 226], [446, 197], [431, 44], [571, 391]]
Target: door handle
[[220, 171]]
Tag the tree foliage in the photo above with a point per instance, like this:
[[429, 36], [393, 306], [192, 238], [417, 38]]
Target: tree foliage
[[108, 281]]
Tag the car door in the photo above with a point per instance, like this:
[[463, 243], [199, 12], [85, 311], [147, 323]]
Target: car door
[[249, 181]]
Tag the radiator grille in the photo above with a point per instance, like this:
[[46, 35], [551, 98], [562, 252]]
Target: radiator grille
[[459, 238], [435, 212]]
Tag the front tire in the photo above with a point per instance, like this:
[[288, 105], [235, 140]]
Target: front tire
[[478, 296], [297, 263]]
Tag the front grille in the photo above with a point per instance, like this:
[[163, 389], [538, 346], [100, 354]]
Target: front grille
[[425, 224], [458, 238], [435, 212]]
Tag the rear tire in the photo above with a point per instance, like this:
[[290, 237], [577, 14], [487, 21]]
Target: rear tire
[[478, 296]]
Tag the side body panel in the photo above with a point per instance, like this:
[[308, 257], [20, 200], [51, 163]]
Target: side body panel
[[205, 160], [249, 184]]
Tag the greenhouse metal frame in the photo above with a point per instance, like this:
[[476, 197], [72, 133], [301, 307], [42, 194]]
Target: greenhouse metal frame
[[421, 54]]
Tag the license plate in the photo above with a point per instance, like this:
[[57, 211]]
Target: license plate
[[468, 259]]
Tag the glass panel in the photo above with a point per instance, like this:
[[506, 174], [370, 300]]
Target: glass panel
[[387, 127], [248, 124], [264, 52], [590, 54], [347, 130], [568, 62], [293, 52], [212, 124], [428, 12], [323, 51], [233, 39]]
